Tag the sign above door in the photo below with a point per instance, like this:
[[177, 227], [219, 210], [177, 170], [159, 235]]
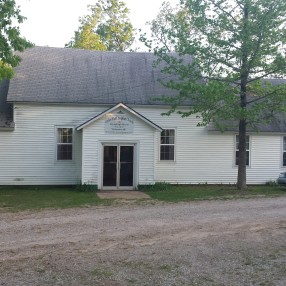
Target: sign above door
[[118, 123]]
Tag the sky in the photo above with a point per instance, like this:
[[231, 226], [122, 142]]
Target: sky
[[53, 22]]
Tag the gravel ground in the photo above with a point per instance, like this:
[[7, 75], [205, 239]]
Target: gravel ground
[[238, 242]]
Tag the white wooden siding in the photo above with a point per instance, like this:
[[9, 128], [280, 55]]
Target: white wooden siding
[[94, 136], [205, 157], [27, 154], [265, 158]]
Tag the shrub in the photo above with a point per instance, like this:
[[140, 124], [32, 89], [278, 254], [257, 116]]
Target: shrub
[[86, 187], [271, 183], [157, 187]]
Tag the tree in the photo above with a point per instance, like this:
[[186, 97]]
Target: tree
[[167, 24], [10, 39], [108, 27], [235, 46]]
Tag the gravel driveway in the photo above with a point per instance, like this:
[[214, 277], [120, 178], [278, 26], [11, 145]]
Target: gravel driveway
[[238, 242]]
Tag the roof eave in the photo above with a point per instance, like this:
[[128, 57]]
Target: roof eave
[[132, 111]]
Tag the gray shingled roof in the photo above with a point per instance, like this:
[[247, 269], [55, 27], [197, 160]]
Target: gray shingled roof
[[276, 81], [6, 109], [278, 125], [59, 75]]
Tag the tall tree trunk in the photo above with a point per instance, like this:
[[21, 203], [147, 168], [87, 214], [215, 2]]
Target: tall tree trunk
[[241, 174]]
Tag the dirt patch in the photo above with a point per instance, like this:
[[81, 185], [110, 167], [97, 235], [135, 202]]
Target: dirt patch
[[124, 195], [199, 243]]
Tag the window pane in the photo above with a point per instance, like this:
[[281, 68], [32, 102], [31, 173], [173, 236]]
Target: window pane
[[167, 152], [164, 140], [64, 152], [164, 137], [237, 142], [167, 147], [284, 143], [171, 140], [64, 135], [64, 143], [237, 149], [171, 134], [168, 136], [236, 158], [247, 142], [247, 158], [284, 158], [67, 135], [167, 140]]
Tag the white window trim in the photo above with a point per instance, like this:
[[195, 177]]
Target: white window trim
[[56, 143], [283, 151], [175, 143], [235, 149]]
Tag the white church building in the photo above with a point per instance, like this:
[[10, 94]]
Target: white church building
[[75, 116]]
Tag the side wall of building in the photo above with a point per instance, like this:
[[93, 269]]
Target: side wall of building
[[28, 154], [207, 157]]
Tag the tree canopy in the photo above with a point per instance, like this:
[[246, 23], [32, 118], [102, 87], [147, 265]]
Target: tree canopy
[[236, 45], [10, 39], [107, 27]]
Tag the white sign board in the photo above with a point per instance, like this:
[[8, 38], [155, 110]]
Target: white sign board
[[118, 123]]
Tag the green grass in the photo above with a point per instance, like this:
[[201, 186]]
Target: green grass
[[14, 199], [35, 198], [178, 193]]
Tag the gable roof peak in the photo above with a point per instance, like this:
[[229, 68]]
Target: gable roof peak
[[115, 107]]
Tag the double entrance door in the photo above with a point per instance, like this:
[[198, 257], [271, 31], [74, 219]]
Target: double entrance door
[[118, 167]]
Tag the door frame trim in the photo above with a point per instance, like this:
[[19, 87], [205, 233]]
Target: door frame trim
[[135, 145]]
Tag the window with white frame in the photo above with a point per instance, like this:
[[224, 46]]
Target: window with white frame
[[64, 143], [284, 151], [167, 145], [237, 149]]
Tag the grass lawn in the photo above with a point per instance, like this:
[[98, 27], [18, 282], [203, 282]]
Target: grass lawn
[[24, 198], [177, 193], [35, 198]]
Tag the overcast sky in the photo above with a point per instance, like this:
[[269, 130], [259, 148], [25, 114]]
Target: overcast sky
[[53, 22]]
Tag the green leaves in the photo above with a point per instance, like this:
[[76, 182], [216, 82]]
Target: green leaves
[[10, 39], [6, 70], [234, 45], [108, 27]]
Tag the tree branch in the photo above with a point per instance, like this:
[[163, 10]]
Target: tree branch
[[224, 11], [264, 96]]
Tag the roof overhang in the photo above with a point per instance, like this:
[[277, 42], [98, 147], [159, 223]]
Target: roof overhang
[[130, 110]]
